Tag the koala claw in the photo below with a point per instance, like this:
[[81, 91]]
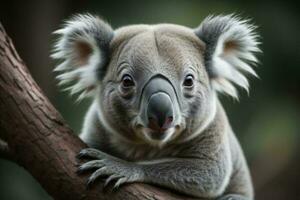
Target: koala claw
[[111, 178], [91, 153], [113, 169]]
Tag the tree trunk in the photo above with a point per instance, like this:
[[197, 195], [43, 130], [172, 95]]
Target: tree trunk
[[40, 140]]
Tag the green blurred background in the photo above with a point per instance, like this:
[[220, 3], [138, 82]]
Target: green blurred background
[[267, 122]]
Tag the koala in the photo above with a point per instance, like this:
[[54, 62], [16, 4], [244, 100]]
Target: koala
[[155, 115]]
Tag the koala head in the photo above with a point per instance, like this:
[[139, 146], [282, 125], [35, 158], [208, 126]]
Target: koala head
[[155, 83]]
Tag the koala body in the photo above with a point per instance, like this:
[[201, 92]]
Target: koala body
[[155, 116]]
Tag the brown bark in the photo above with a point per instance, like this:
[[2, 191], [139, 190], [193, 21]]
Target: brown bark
[[41, 141]]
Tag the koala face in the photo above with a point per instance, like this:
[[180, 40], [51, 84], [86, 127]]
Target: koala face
[[155, 83]]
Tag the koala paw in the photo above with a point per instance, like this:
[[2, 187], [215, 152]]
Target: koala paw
[[109, 167]]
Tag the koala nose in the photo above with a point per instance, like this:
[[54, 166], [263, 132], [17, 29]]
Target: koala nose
[[160, 112]]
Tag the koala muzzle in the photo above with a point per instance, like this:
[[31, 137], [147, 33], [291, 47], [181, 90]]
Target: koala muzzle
[[158, 104]]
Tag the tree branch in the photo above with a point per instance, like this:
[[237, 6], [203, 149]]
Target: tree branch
[[43, 143]]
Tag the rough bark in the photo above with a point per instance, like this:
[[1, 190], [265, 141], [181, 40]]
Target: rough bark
[[41, 141]]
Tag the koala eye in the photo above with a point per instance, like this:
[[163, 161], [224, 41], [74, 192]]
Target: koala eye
[[188, 81], [127, 81]]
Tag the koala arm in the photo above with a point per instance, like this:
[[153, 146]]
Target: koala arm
[[193, 176], [200, 177]]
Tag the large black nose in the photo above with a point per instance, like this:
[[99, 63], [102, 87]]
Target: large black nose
[[160, 111]]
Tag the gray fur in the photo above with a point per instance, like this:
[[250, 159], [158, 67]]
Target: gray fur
[[201, 155]]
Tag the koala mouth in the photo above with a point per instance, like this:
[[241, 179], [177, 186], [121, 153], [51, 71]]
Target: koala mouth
[[158, 137]]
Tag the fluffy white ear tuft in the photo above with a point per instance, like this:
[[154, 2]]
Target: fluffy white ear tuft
[[231, 44], [83, 47]]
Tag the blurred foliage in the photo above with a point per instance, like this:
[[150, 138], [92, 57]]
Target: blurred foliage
[[267, 122]]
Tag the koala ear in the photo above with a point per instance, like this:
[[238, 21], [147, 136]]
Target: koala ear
[[83, 47], [230, 47]]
